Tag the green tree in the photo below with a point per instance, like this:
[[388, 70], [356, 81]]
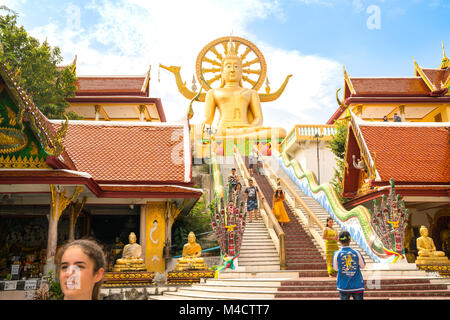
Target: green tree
[[337, 146], [37, 67], [197, 221]]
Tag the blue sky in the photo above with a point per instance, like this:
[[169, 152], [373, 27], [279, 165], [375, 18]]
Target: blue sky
[[312, 39]]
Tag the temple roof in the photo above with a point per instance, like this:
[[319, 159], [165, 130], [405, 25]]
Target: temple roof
[[427, 85], [112, 85], [414, 154], [390, 86], [130, 152]]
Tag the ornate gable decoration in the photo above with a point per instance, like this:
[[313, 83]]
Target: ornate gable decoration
[[24, 146]]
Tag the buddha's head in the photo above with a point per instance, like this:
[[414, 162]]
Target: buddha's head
[[191, 238], [132, 238], [231, 66], [423, 231]]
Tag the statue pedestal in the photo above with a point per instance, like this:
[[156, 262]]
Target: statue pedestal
[[188, 277], [432, 260], [132, 267], [442, 268], [128, 279]]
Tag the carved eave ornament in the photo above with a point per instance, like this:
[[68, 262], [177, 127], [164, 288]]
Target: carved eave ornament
[[369, 161], [27, 110]]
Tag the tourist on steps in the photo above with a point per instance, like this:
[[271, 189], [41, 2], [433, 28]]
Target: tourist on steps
[[238, 203], [330, 236], [252, 161], [251, 198], [278, 206], [349, 263], [233, 179]]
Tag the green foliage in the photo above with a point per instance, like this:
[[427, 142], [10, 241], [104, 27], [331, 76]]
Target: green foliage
[[337, 146], [51, 290], [197, 221], [37, 68]]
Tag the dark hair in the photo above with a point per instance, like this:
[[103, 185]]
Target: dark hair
[[344, 237], [329, 218], [94, 251]]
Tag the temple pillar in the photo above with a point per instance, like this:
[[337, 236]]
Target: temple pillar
[[59, 202], [155, 233], [401, 108], [142, 237], [75, 210], [97, 112], [142, 113]]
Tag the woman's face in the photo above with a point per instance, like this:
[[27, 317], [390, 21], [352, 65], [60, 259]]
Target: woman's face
[[77, 276], [330, 223]]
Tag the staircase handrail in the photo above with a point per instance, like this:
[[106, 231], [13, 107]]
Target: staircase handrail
[[311, 218], [271, 219]]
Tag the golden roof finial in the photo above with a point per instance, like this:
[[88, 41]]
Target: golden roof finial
[[445, 63]]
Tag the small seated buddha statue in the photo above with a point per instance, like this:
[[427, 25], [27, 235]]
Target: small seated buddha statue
[[427, 250], [131, 257], [191, 256]]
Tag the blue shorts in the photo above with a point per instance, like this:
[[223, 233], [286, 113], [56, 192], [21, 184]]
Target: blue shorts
[[252, 204]]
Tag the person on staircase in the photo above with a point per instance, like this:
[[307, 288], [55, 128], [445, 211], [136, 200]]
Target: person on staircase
[[238, 203], [251, 199], [252, 161], [278, 206], [349, 263], [260, 164], [331, 246], [233, 179]]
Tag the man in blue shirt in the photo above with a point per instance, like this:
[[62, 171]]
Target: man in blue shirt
[[349, 263]]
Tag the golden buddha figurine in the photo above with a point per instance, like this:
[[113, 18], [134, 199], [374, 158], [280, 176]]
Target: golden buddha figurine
[[191, 256], [427, 250], [239, 107], [131, 257]]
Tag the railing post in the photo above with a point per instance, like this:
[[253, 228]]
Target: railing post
[[283, 264]]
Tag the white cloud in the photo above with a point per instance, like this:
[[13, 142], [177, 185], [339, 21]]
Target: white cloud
[[131, 35]]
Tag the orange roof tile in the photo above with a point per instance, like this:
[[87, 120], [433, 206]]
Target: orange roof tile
[[416, 154], [390, 86], [110, 85], [117, 152], [436, 76]]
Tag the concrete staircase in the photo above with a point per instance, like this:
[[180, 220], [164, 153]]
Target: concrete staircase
[[258, 251]]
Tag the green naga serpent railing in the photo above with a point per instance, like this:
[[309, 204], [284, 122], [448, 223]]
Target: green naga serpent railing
[[227, 221], [357, 220]]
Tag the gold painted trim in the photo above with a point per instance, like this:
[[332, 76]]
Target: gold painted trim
[[348, 81], [427, 81], [22, 163]]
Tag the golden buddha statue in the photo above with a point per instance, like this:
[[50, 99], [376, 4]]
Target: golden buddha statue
[[191, 256], [427, 250], [131, 257], [239, 107]]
